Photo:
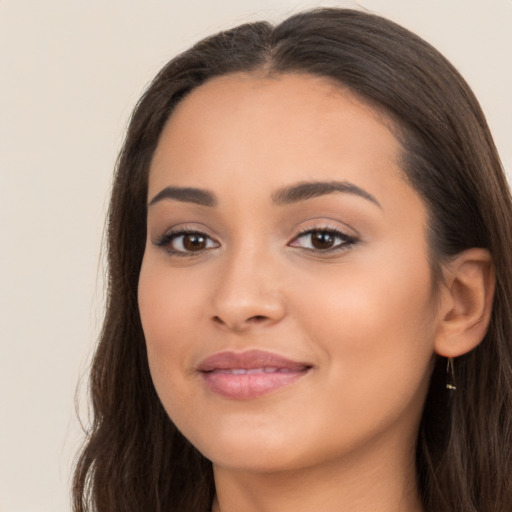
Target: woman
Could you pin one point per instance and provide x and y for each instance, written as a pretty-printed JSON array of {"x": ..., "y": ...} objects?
[{"x": 309, "y": 295}]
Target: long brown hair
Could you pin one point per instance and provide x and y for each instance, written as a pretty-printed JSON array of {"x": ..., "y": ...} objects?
[{"x": 134, "y": 458}]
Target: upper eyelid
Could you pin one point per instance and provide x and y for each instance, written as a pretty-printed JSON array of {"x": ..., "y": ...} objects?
[
  {"x": 187, "y": 230},
  {"x": 335, "y": 231},
  {"x": 332, "y": 229},
  {"x": 343, "y": 231},
  {"x": 171, "y": 234},
  {"x": 184, "y": 228}
]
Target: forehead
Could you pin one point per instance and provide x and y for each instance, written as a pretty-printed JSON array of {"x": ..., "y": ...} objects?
[{"x": 243, "y": 130}]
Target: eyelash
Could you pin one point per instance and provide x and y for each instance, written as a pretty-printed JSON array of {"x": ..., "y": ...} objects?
[
  {"x": 166, "y": 240},
  {"x": 347, "y": 241}
]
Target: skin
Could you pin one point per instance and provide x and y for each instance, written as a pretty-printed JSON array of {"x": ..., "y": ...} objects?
[{"x": 362, "y": 315}]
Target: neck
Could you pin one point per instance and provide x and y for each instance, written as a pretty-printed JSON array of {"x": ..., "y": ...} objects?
[{"x": 382, "y": 483}]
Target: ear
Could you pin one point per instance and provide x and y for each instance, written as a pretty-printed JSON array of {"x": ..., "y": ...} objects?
[{"x": 466, "y": 302}]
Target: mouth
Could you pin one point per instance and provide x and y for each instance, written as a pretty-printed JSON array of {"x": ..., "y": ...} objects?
[{"x": 251, "y": 374}]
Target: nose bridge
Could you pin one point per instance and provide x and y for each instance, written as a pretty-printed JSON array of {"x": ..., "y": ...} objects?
[{"x": 247, "y": 289}]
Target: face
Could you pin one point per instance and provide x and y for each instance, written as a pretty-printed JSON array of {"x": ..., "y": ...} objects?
[{"x": 285, "y": 291}]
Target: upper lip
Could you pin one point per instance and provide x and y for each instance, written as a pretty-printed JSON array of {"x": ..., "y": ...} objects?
[{"x": 248, "y": 360}]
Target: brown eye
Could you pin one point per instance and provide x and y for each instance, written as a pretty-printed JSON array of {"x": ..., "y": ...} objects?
[
  {"x": 186, "y": 242},
  {"x": 194, "y": 242},
  {"x": 323, "y": 240}
]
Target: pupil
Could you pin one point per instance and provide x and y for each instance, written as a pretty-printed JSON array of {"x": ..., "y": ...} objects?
[
  {"x": 322, "y": 240},
  {"x": 194, "y": 242}
]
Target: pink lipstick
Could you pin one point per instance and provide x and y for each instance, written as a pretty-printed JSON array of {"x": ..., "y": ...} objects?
[{"x": 246, "y": 375}]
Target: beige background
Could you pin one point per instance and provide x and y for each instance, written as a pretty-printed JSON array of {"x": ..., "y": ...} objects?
[{"x": 70, "y": 73}]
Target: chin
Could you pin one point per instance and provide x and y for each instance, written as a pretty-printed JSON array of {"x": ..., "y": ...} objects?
[
  {"x": 254, "y": 459},
  {"x": 246, "y": 449}
]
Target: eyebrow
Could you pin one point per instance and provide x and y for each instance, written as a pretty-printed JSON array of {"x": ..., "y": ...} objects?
[
  {"x": 309, "y": 190},
  {"x": 288, "y": 195},
  {"x": 186, "y": 195}
]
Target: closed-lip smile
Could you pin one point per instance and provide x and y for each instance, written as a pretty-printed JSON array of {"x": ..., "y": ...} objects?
[{"x": 250, "y": 374}]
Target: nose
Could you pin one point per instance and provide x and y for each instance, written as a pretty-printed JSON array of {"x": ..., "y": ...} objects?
[{"x": 248, "y": 293}]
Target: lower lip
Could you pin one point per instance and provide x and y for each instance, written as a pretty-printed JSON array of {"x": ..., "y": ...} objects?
[{"x": 248, "y": 386}]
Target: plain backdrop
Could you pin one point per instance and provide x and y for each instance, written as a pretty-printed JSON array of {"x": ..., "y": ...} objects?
[{"x": 70, "y": 73}]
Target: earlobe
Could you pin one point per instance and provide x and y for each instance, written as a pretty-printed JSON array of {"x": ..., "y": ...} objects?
[{"x": 466, "y": 303}]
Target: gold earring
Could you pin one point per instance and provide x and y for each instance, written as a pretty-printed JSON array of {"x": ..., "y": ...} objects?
[{"x": 450, "y": 375}]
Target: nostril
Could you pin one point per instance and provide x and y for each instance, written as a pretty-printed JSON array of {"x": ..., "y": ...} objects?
[
  {"x": 218, "y": 320},
  {"x": 253, "y": 319},
  {"x": 257, "y": 318}
]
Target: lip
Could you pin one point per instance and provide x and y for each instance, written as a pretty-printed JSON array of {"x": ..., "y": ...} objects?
[{"x": 250, "y": 374}]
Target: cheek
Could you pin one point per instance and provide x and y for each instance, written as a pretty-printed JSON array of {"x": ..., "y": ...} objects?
[
  {"x": 375, "y": 322},
  {"x": 372, "y": 330},
  {"x": 168, "y": 302},
  {"x": 168, "y": 307}
]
